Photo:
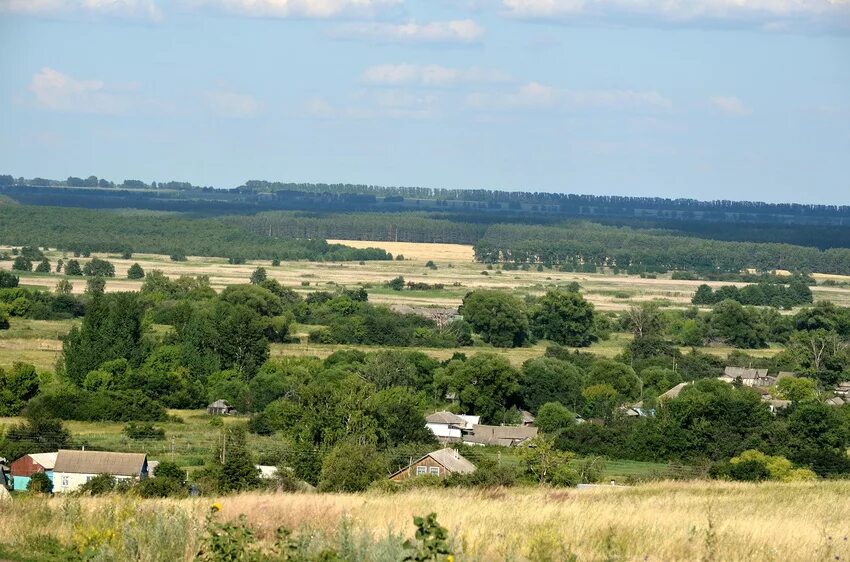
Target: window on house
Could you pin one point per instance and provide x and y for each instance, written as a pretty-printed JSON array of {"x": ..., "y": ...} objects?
[
  {"x": 435, "y": 470},
  {"x": 64, "y": 481},
  {"x": 420, "y": 470}
]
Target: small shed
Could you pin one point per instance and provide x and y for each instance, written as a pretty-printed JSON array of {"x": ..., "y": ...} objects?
[
  {"x": 442, "y": 464},
  {"x": 23, "y": 468},
  {"x": 220, "y": 408}
]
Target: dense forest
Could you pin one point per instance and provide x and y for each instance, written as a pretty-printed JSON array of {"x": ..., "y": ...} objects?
[
  {"x": 81, "y": 229},
  {"x": 289, "y": 221}
]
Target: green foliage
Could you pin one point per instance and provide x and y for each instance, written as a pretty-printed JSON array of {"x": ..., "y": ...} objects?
[
  {"x": 8, "y": 280},
  {"x": 731, "y": 323},
  {"x": 765, "y": 293},
  {"x": 99, "y": 268},
  {"x": 553, "y": 417},
  {"x": 36, "y": 434},
  {"x": 563, "y": 318},
  {"x": 432, "y": 541},
  {"x": 99, "y": 485},
  {"x": 22, "y": 263},
  {"x": 797, "y": 389},
  {"x": 351, "y": 467},
  {"x": 40, "y": 483},
  {"x": 499, "y": 317},
  {"x": 17, "y": 385},
  {"x": 111, "y": 329},
  {"x": 396, "y": 284},
  {"x": 43, "y": 266},
  {"x": 135, "y": 271},
  {"x": 72, "y": 267},
  {"x": 551, "y": 380},
  {"x": 143, "y": 431},
  {"x": 486, "y": 385},
  {"x": 548, "y": 465},
  {"x": 258, "y": 276}
]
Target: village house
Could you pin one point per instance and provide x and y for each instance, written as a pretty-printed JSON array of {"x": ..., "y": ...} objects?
[
  {"x": 442, "y": 464},
  {"x": 500, "y": 435},
  {"x": 220, "y": 408},
  {"x": 448, "y": 427},
  {"x": 747, "y": 376},
  {"x": 75, "y": 468},
  {"x": 843, "y": 389},
  {"x": 23, "y": 468}
]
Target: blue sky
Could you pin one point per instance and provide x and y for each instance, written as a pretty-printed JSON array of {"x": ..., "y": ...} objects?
[{"x": 711, "y": 99}]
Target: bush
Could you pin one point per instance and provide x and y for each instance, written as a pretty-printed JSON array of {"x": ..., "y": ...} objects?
[
  {"x": 99, "y": 268},
  {"x": 143, "y": 431},
  {"x": 350, "y": 467},
  {"x": 160, "y": 488},
  {"x": 135, "y": 272},
  {"x": 396, "y": 284},
  {"x": 99, "y": 485},
  {"x": 22, "y": 264},
  {"x": 40, "y": 484},
  {"x": 8, "y": 280},
  {"x": 178, "y": 256}
]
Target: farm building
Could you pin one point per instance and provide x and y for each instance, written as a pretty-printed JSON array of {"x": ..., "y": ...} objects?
[
  {"x": 75, "y": 468},
  {"x": 442, "y": 463},
  {"x": 748, "y": 377},
  {"x": 500, "y": 435},
  {"x": 220, "y": 408},
  {"x": 23, "y": 468},
  {"x": 449, "y": 427}
]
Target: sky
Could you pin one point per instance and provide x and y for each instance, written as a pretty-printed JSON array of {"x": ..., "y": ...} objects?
[{"x": 706, "y": 99}]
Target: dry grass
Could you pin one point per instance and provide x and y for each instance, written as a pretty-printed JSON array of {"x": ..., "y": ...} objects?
[
  {"x": 416, "y": 250},
  {"x": 707, "y": 521}
]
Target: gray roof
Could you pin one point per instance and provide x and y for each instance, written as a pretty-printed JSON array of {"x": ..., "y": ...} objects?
[
  {"x": 745, "y": 373},
  {"x": 445, "y": 417},
  {"x": 220, "y": 404},
  {"x": 452, "y": 460},
  {"x": 674, "y": 392},
  {"x": 100, "y": 462},
  {"x": 505, "y": 435}
]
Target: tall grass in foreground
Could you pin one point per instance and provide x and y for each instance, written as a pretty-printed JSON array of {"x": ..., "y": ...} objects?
[{"x": 705, "y": 521}]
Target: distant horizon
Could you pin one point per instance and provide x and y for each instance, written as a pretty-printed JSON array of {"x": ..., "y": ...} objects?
[{"x": 118, "y": 184}]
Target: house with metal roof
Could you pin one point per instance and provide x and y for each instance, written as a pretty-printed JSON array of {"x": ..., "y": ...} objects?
[
  {"x": 22, "y": 469},
  {"x": 448, "y": 427},
  {"x": 75, "y": 468}
]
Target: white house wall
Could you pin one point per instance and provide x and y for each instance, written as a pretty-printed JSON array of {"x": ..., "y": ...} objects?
[{"x": 71, "y": 481}]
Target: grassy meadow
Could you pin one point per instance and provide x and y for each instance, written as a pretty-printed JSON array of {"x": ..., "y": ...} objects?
[{"x": 665, "y": 521}]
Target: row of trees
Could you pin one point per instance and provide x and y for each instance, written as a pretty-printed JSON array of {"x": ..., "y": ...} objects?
[
  {"x": 761, "y": 294},
  {"x": 579, "y": 243},
  {"x": 75, "y": 229}
]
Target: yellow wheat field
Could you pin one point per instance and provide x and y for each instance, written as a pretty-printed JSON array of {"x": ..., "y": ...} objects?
[
  {"x": 419, "y": 251},
  {"x": 706, "y": 521}
]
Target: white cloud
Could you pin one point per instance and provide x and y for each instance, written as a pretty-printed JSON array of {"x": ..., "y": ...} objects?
[
  {"x": 454, "y": 31},
  {"x": 430, "y": 75},
  {"x": 124, "y": 9},
  {"x": 60, "y": 92},
  {"x": 535, "y": 95},
  {"x": 297, "y": 8},
  {"x": 730, "y": 105},
  {"x": 380, "y": 104},
  {"x": 770, "y": 14},
  {"x": 232, "y": 104}
]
